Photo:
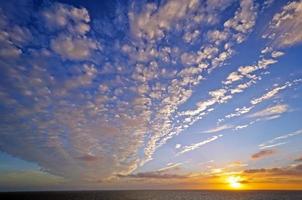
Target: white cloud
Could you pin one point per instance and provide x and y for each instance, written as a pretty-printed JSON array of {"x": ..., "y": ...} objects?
[
  {"x": 90, "y": 72},
  {"x": 170, "y": 166},
  {"x": 219, "y": 128},
  {"x": 271, "y": 111},
  {"x": 73, "y": 48},
  {"x": 201, "y": 106},
  {"x": 286, "y": 26},
  {"x": 10, "y": 52},
  {"x": 62, "y": 16},
  {"x": 241, "y": 127},
  {"x": 276, "y": 54},
  {"x": 217, "y": 36},
  {"x": 234, "y": 76},
  {"x": 239, "y": 111},
  {"x": 263, "y": 146},
  {"x": 153, "y": 21},
  {"x": 277, "y": 141},
  {"x": 245, "y": 70},
  {"x": 12, "y": 38},
  {"x": 270, "y": 94},
  {"x": 264, "y": 63},
  {"x": 266, "y": 50},
  {"x": 190, "y": 37},
  {"x": 241, "y": 87},
  {"x": 73, "y": 24},
  {"x": 244, "y": 18},
  {"x": 198, "y": 145}
]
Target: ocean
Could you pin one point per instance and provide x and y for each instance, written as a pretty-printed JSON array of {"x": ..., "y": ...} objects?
[{"x": 155, "y": 195}]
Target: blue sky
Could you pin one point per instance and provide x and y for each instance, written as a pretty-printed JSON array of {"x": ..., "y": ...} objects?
[{"x": 149, "y": 94}]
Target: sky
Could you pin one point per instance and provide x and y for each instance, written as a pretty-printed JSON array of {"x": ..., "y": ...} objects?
[{"x": 176, "y": 94}]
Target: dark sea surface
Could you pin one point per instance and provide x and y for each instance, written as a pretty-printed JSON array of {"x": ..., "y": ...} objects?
[{"x": 155, "y": 195}]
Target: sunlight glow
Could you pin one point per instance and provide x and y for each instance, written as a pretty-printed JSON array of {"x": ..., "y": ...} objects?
[{"x": 234, "y": 182}]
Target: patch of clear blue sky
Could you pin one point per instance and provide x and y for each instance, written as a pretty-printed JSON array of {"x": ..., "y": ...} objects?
[{"x": 10, "y": 163}]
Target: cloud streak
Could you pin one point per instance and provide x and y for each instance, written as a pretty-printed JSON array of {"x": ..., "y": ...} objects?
[
  {"x": 273, "y": 111},
  {"x": 280, "y": 140},
  {"x": 192, "y": 147}
]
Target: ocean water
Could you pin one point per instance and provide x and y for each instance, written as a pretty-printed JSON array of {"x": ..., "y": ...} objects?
[{"x": 155, "y": 195}]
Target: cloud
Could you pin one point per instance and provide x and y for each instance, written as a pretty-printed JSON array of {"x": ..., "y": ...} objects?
[
  {"x": 234, "y": 76},
  {"x": 209, "y": 57},
  {"x": 219, "y": 128},
  {"x": 241, "y": 126},
  {"x": 243, "y": 20},
  {"x": 217, "y": 96},
  {"x": 170, "y": 166},
  {"x": 217, "y": 36},
  {"x": 12, "y": 38},
  {"x": 246, "y": 72},
  {"x": 192, "y": 147},
  {"x": 285, "y": 27},
  {"x": 67, "y": 113},
  {"x": 10, "y": 52},
  {"x": 298, "y": 159},
  {"x": 266, "y": 96},
  {"x": 63, "y": 16},
  {"x": 71, "y": 25},
  {"x": 153, "y": 21},
  {"x": 241, "y": 87},
  {"x": 271, "y": 111},
  {"x": 264, "y": 63},
  {"x": 87, "y": 158},
  {"x": 266, "y": 50},
  {"x": 263, "y": 153},
  {"x": 277, "y": 172},
  {"x": 272, "y": 93},
  {"x": 239, "y": 111},
  {"x": 94, "y": 111},
  {"x": 153, "y": 175},
  {"x": 190, "y": 37},
  {"x": 73, "y": 48},
  {"x": 276, "y": 54},
  {"x": 278, "y": 177},
  {"x": 237, "y": 164},
  {"x": 277, "y": 141},
  {"x": 272, "y": 145}
]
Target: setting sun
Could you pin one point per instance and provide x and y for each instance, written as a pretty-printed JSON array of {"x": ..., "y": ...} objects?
[{"x": 234, "y": 182}]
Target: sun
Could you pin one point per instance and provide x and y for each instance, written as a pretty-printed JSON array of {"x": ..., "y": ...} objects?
[{"x": 234, "y": 182}]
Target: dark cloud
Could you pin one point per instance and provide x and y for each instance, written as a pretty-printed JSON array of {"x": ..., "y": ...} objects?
[
  {"x": 298, "y": 159},
  {"x": 154, "y": 175},
  {"x": 87, "y": 158},
  {"x": 251, "y": 171},
  {"x": 263, "y": 153},
  {"x": 277, "y": 171}
]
